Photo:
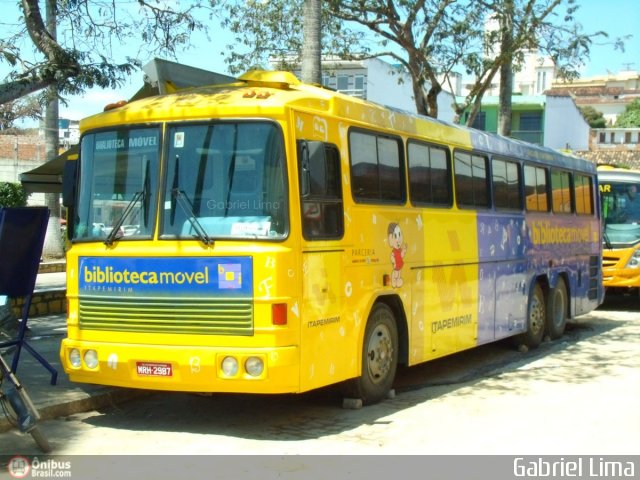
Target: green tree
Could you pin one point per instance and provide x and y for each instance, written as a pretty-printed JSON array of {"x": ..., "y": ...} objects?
[
  {"x": 593, "y": 117},
  {"x": 88, "y": 33},
  {"x": 630, "y": 118},
  {"x": 544, "y": 26},
  {"x": 273, "y": 31},
  {"x": 428, "y": 38},
  {"x": 12, "y": 195},
  {"x": 24, "y": 108}
]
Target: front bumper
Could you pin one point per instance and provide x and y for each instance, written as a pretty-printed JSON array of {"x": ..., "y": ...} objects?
[{"x": 183, "y": 368}]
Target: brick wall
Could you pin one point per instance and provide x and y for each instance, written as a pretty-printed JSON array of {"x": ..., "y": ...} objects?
[
  {"x": 22, "y": 147},
  {"x": 18, "y": 154}
]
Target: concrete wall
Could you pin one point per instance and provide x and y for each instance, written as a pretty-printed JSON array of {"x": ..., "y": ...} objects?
[{"x": 564, "y": 126}]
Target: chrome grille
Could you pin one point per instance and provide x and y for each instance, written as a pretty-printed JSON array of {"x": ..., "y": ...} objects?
[{"x": 199, "y": 316}]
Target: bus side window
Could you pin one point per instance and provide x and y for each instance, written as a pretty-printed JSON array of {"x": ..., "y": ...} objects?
[
  {"x": 535, "y": 185},
  {"x": 583, "y": 186},
  {"x": 561, "y": 193},
  {"x": 320, "y": 190},
  {"x": 471, "y": 180}
]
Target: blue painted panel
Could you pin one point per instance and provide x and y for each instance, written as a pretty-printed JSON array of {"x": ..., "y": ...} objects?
[{"x": 166, "y": 277}]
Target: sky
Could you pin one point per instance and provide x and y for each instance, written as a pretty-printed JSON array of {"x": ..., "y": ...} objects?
[{"x": 616, "y": 17}]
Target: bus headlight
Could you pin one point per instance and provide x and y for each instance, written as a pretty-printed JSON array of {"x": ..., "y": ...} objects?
[
  {"x": 634, "y": 261},
  {"x": 74, "y": 358},
  {"x": 91, "y": 359},
  {"x": 229, "y": 366},
  {"x": 254, "y": 366}
]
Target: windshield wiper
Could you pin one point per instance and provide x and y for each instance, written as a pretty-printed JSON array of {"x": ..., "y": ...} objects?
[
  {"x": 140, "y": 195},
  {"x": 605, "y": 237},
  {"x": 116, "y": 227},
  {"x": 181, "y": 199}
]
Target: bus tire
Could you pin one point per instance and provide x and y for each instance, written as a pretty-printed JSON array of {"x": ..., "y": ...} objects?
[
  {"x": 557, "y": 304},
  {"x": 379, "y": 357},
  {"x": 536, "y": 318}
]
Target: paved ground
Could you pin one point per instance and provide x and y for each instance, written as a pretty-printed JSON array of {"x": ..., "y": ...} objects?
[
  {"x": 591, "y": 380},
  {"x": 63, "y": 398},
  {"x": 575, "y": 396}
]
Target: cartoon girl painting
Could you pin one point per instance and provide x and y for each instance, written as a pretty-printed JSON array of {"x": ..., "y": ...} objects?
[{"x": 398, "y": 250}]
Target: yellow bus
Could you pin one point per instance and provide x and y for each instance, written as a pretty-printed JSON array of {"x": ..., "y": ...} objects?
[
  {"x": 282, "y": 237},
  {"x": 620, "y": 205}
]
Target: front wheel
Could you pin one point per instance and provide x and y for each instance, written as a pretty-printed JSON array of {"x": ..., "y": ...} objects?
[{"x": 379, "y": 357}]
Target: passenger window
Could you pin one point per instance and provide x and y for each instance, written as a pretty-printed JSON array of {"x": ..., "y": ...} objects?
[
  {"x": 471, "y": 180},
  {"x": 535, "y": 189},
  {"x": 584, "y": 194},
  {"x": 429, "y": 174},
  {"x": 561, "y": 191},
  {"x": 505, "y": 176},
  {"x": 377, "y": 169}
]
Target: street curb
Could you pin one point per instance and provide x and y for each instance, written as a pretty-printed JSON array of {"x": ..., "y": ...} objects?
[{"x": 107, "y": 398}]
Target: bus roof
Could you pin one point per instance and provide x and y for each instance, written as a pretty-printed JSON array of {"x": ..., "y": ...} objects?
[
  {"x": 612, "y": 173},
  {"x": 271, "y": 93}
]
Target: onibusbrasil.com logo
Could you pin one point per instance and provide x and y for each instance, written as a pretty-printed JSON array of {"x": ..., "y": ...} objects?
[{"x": 21, "y": 467}]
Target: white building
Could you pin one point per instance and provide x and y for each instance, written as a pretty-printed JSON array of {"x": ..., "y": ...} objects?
[
  {"x": 378, "y": 81},
  {"x": 609, "y": 94}
]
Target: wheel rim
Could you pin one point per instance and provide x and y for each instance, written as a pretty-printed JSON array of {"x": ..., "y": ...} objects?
[
  {"x": 536, "y": 315},
  {"x": 379, "y": 353}
]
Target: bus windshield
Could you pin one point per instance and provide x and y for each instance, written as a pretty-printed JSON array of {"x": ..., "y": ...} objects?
[
  {"x": 118, "y": 184},
  {"x": 621, "y": 212},
  {"x": 224, "y": 180}
]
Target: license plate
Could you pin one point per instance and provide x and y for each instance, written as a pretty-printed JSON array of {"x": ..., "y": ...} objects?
[{"x": 148, "y": 369}]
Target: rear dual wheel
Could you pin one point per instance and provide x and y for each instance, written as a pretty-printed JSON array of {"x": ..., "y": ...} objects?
[
  {"x": 557, "y": 307},
  {"x": 545, "y": 315}
]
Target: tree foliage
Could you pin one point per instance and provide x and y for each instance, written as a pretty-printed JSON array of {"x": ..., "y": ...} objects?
[
  {"x": 630, "y": 118},
  {"x": 12, "y": 195},
  {"x": 593, "y": 117},
  {"x": 24, "y": 108},
  {"x": 544, "y": 26},
  {"x": 83, "y": 53},
  {"x": 429, "y": 38},
  {"x": 272, "y": 32}
]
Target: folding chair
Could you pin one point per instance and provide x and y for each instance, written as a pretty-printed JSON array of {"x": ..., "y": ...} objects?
[{"x": 22, "y": 232}]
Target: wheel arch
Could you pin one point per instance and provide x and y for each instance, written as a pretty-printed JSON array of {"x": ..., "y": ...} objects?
[{"x": 543, "y": 281}]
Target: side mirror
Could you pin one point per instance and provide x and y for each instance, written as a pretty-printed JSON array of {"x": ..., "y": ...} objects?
[{"x": 69, "y": 180}]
